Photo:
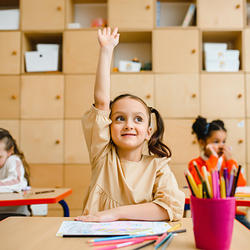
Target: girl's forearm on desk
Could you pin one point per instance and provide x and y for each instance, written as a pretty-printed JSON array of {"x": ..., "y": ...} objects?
[{"x": 145, "y": 211}]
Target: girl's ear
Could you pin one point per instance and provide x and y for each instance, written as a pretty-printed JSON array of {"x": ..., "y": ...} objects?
[
  {"x": 11, "y": 151},
  {"x": 149, "y": 133}
]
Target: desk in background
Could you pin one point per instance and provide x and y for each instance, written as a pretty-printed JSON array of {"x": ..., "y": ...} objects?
[
  {"x": 37, "y": 196},
  {"x": 39, "y": 233}
]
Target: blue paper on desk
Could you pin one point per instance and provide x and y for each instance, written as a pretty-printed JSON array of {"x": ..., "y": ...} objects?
[{"x": 112, "y": 228}]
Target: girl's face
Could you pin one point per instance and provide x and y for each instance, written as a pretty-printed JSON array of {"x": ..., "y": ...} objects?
[
  {"x": 217, "y": 139},
  {"x": 129, "y": 128},
  {"x": 3, "y": 154}
]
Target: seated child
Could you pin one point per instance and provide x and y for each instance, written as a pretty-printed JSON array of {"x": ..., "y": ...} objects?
[
  {"x": 215, "y": 153},
  {"x": 13, "y": 173},
  {"x": 126, "y": 184}
]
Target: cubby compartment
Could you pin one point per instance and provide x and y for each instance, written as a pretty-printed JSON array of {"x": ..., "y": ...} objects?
[
  {"x": 32, "y": 39},
  {"x": 134, "y": 47},
  {"x": 86, "y": 14},
  {"x": 223, "y": 56},
  {"x": 9, "y": 15},
  {"x": 175, "y": 13}
]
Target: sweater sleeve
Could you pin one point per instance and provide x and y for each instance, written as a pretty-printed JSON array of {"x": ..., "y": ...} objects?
[
  {"x": 96, "y": 131},
  {"x": 167, "y": 194}
]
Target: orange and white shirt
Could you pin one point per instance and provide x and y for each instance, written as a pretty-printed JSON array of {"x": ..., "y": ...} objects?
[{"x": 211, "y": 164}]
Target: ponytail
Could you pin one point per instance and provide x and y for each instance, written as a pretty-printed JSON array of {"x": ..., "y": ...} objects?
[{"x": 155, "y": 144}]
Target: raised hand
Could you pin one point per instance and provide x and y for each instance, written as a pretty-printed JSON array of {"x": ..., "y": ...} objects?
[{"x": 108, "y": 39}]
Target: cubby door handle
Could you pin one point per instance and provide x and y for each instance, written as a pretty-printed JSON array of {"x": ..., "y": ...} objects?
[
  {"x": 58, "y": 97},
  {"x": 148, "y": 7},
  {"x": 194, "y": 95},
  {"x": 237, "y": 6},
  {"x": 57, "y": 141},
  {"x": 14, "y": 53},
  {"x": 148, "y": 96},
  {"x": 193, "y": 51},
  {"x": 239, "y": 96},
  {"x": 59, "y": 8},
  {"x": 240, "y": 141},
  {"x": 13, "y": 97},
  {"x": 194, "y": 142}
]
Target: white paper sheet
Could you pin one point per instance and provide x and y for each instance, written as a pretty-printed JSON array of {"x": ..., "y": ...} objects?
[{"x": 112, "y": 228}]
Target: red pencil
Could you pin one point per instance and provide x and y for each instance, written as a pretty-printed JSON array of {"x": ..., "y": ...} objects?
[{"x": 110, "y": 242}]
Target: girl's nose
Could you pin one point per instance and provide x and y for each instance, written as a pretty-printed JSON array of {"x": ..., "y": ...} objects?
[{"x": 128, "y": 125}]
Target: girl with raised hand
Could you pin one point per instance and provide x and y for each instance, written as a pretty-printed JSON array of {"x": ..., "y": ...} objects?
[{"x": 126, "y": 184}]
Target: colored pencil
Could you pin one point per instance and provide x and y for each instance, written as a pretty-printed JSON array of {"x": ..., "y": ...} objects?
[
  {"x": 225, "y": 174},
  {"x": 214, "y": 183},
  {"x": 236, "y": 180},
  {"x": 205, "y": 174},
  {"x": 163, "y": 240},
  {"x": 145, "y": 245},
  {"x": 230, "y": 184},
  {"x": 189, "y": 185},
  {"x": 129, "y": 243},
  {"x": 110, "y": 242},
  {"x": 193, "y": 184},
  {"x": 222, "y": 187},
  {"x": 168, "y": 242}
]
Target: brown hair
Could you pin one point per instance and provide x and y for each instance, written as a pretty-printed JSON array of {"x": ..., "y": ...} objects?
[
  {"x": 10, "y": 143},
  {"x": 155, "y": 144}
]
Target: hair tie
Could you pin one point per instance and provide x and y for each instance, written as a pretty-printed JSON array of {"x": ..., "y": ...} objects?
[{"x": 206, "y": 128}]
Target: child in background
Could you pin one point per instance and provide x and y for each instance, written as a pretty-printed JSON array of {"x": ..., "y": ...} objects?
[
  {"x": 13, "y": 173},
  {"x": 125, "y": 183},
  {"x": 216, "y": 154}
]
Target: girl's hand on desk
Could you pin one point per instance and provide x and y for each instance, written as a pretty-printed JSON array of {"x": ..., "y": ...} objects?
[
  {"x": 108, "y": 39},
  {"x": 103, "y": 216}
]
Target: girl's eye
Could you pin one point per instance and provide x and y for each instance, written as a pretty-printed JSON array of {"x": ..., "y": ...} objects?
[
  {"x": 138, "y": 119},
  {"x": 119, "y": 118}
]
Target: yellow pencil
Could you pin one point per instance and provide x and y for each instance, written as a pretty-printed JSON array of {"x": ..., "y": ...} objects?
[
  {"x": 210, "y": 183},
  {"x": 200, "y": 190},
  {"x": 177, "y": 226},
  {"x": 222, "y": 187},
  {"x": 205, "y": 174},
  {"x": 193, "y": 184}
]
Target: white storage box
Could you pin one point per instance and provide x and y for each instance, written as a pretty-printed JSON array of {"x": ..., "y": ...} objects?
[
  {"x": 40, "y": 62},
  {"x": 215, "y": 46},
  {"x": 44, "y": 59},
  {"x": 9, "y": 19},
  {"x": 222, "y": 55},
  {"x": 47, "y": 47},
  {"x": 129, "y": 66},
  {"x": 222, "y": 65}
]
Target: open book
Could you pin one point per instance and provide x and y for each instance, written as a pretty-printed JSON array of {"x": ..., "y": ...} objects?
[{"x": 114, "y": 228}]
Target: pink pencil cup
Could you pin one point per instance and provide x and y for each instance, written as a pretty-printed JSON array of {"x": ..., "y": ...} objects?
[{"x": 213, "y": 221}]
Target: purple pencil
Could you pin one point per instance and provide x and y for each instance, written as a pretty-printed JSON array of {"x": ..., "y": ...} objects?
[
  {"x": 225, "y": 174},
  {"x": 230, "y": 184},
  {"x": 214, "y": 184}
]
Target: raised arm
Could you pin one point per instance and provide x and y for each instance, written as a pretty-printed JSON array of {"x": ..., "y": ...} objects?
[{"x": 107, "y": 40}]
